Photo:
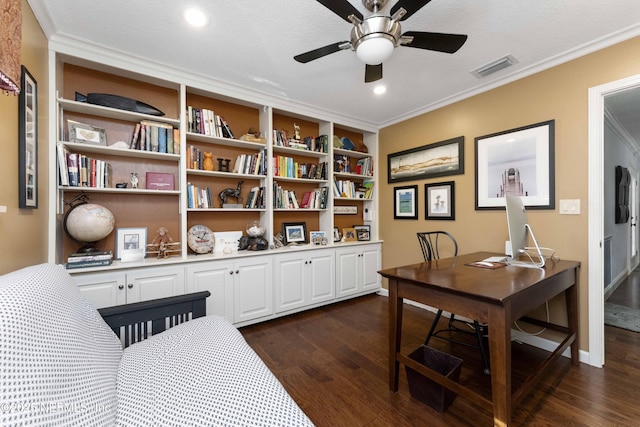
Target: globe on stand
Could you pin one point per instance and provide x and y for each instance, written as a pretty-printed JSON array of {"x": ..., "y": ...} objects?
[{"x": 88, "y": 223}]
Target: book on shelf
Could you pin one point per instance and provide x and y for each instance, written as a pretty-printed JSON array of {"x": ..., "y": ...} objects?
[
  {"x": 91, "y": 263},
  {"x": 63, "y": 169},
  {"x": 89, "y": 256},
  {"x": 72, "y": 167},
  {"x": 159, "y": 137}
]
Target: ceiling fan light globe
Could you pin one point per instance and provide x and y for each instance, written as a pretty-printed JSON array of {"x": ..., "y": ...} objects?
[{"x": 375, "y": 50}]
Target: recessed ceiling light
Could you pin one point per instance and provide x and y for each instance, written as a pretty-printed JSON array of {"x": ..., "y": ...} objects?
[
  {"x": 195, "y": 17},
  {"x": 380, "y": 89}
]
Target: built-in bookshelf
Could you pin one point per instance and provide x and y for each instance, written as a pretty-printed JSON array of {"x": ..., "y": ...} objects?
[{"x": 227, "y": 161}]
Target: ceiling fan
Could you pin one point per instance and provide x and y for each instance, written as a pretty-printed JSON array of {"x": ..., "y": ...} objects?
[{"x": 373, "y": 38}]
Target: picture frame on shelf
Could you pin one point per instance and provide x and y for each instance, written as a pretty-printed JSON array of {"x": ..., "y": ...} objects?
[
  {"x": 294, "y": 232},
  {"x": 439, "y": 200},
  {"x": 318, "y": 237},
  {"x": 349, "y": 234},
  {"x": 405, "y": 202},
  {"x": 28, "y": 141},
  {"x": 131, "y": 243},
  {"x": 363, "y": 232},
  {"x": 518, "y": 161},
  {"x": 86, "y": 134},
  {"x": 428, "y": 161},
  {"x": 336, "y": 234}
]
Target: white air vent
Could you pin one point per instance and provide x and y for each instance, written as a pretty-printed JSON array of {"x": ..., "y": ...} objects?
[{"x": 492, "y": 67}]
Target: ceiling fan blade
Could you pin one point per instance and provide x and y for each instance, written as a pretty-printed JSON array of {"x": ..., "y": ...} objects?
[
  {"x": 342, "y": 8},
  {"x": 447, "y": 43},
  {"x": 372, "y": 73},
  {"x": 411, "y": 6},
  {"x": 320, "y": 52}
]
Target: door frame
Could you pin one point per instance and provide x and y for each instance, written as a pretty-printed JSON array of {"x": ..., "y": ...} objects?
[{"x": 596, "y": 213}]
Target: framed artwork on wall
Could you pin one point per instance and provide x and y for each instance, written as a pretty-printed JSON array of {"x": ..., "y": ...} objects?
[
  {"x": 428, "y": 161},
  {"x": 405, "y": 202},
  {"x": 28, "y": 140},
  {"x": 518, "y": 161},
  {"x": 440, "y": 200}
]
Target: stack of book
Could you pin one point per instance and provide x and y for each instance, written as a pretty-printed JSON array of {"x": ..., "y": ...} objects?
[
  {"x": 155, "y": 136},
  {"x": 90, "y": 259},
  {"x": 79, "y": 170},
  {"x": 206, "y": 122}
]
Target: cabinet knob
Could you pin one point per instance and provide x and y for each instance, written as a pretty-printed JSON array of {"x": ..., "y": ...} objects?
[
  {"x": 130, "y": 285},
  {"x": 120, "y": 286},
  {"x": 231, "y": 272},
  {"x": 237, "y": 271}
]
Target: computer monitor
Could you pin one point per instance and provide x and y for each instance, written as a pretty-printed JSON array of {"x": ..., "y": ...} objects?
[{"x": 519, "y": 230}]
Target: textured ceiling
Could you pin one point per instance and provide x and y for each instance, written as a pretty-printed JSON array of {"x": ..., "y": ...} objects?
[{"x": 251, "y": 44}]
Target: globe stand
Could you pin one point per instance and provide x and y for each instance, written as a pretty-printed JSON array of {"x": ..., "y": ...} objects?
[{"x": 87, "y": 248}]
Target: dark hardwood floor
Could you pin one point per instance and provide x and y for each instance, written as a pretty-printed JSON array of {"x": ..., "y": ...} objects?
[{"x": 333, "y": 362}]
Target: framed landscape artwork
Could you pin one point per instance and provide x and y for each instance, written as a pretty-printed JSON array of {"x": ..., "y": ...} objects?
[
  {"x": 518, "y": 161},
  {"x": 429, "y": 161}
]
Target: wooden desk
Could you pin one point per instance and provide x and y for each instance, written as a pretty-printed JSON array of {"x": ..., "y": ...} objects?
[{"x": 496, "y": 297}]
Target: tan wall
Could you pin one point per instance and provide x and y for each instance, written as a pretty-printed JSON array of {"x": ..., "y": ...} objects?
[
  {"x": 23, "y": 232},
  {"x": 559, "y": 93}
]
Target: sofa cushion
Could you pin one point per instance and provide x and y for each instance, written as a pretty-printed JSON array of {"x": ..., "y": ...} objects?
[
  {"x": 201, "y": 373},
  {"x": 58, "y": 359}
]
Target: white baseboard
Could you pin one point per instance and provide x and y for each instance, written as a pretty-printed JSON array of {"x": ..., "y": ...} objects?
[{"x": 516, "y": 335}]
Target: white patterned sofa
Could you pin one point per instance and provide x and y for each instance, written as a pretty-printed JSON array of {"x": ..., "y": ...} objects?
[{"x": 61, "y": 365}]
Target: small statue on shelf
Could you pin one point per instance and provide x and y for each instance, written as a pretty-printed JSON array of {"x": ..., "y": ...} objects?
[
  {"x": 231, "y": 192},
  {"x": 252, "y": 135},
  {"x": 163, "y": 244},
  {"x": 134, "y": 179}
]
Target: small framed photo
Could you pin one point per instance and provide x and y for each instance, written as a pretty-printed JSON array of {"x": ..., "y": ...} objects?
[
  {"x": 439, "y": 200},
  {"x": 131, "y": 244},
  {"x": 294, "y": 232},
  {"x": 363, "y": 232},
  {"x": 349, "y": 234},
  {"x": 318, "y": 237},
  {"x": 336, "y": 234},
  {"x": 405, "y": 202},
  {"x": 84, "y": 133}
]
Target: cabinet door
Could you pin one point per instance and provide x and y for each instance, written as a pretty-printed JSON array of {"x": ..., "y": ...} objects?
[
  {"x": 321, "y": 276},
  {"x": 151, "y": 283},
  {"x": 369, "y": 261},
  {"x": 253, "y": 288},
  {"x": 290, "y": 281},
  {"x": 214, "y": 277},
  {"x": 346, "y": 272},
  {"x": 102, "y": 289}
]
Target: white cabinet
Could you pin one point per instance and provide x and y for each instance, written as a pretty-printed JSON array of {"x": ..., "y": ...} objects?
[
  {"x": 215, "y": 277},
  {"x": 357, "y": 269},
  {"x": 304, "y": 278},
  {"x": 252, "y": 288},
  {"x": 124, "y": 287}
]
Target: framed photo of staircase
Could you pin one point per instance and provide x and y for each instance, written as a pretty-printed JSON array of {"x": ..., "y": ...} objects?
[{"x": 518, "y": 161}]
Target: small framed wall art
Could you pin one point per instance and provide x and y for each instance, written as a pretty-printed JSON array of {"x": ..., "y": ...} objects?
[
  {"x": 405, "y": 202},
  {"x": 439, "y": 200},
  {"x": 28, "y": 140}
]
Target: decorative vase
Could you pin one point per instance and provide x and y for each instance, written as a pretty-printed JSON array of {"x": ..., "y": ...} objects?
[{"x": 208, "y": 162}]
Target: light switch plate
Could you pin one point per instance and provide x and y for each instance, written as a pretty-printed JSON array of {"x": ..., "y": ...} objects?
[{"x": 570, "y": 207}]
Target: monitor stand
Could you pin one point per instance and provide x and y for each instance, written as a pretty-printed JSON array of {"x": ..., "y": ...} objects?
[{"x": 529, "y": 264}]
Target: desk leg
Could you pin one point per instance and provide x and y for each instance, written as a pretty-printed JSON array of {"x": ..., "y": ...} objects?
[
  {"x": 571, "y": 297},
  {"x": 500, "y": 355},
  {"x": 395, "y": 333}
]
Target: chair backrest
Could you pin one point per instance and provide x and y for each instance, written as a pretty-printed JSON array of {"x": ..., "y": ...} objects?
[{"x": 434, "y": 243}]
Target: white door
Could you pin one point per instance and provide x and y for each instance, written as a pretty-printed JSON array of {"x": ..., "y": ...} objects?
[{"x": 633, "y": 221}]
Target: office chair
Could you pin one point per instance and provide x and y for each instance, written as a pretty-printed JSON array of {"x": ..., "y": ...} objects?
[{"x": 432, "y": 243}]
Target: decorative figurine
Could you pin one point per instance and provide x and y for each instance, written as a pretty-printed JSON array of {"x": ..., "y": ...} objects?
[
  {"x": 207, "y": 164},
  {"x": 296, "y": 132},
  {"x": 231, "y": 192},
  {"x": 134, "y": 179},
  {"x": 223, "y": 164},
  {"x": 163, "y": 244}
]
